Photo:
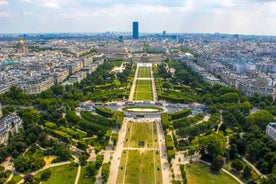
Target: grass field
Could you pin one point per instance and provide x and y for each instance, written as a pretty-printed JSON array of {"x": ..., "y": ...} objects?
[
  {"x": 15, "y": 179},
  {"x": 83, "y": 179},
  {"x": 198, "y": 173},
  {"x": 143, "y": 90},
  {"x": 144, "y": 72},
  {"x": 65, "y": 174},
  {"x": 141, "y": 164},
  {"x": 145, "y": 132},
  {"x": 142, "y": 167}
]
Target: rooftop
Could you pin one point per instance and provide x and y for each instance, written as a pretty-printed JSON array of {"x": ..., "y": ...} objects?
[{"x": 272, "y": 124}]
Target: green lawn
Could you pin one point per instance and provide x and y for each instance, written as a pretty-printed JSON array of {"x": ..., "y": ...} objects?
[
  {"x": 142, "y": 167},
  {"x": 83, "y": 179},
  {"x": 143, "y": 90},
  {"x": 15, "y": 179},
  {"x": 145, "y": 132},
  {"x": 65, "y": 174},
  {"x": 144, "y": 72},
  {"x": 198, "y": 173}
]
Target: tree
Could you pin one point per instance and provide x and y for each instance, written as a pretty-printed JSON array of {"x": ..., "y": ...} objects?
[
  {"x": 247, "y": 172},
  {"x": 105, "y": 171},
  {"x": 7, "y": 110},
  {"x": 47, "y": 94},
  {"x": 233, "y": 151},
  {"x": 28, "y": 178},
  {"x": 45, "y": 175},
  {"x": 245, "y": 107},
  {"x": 21, "y": 164},
  {"x": 72, "y": 117},
  {"x": 83, "y": 159},
  {"x": 211, "y": 146},
  {"x": 229, "y": 98},
  {"x": 216, "y": 164},
  {"x": 57, "y": 90},
  {"x": 237, "y": 164},
  {"x": 260, "y": 118},
  {"x": 271, "y": 179},
  {"x": 29, "y": 116},
  {"x": 90, "y": 169}
]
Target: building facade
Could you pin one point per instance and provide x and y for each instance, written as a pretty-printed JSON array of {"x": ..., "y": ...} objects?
[
  {"x": 135, "y": 30},
  {"x": 10, "y": 123},
  {"x": 271, "y": 130}
]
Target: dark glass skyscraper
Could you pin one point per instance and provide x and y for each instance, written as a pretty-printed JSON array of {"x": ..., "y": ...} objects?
[{"x": 135, "y": 31}]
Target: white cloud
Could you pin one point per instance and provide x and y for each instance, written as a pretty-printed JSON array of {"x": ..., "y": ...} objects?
[
  {"x": 225, "y": 16},
  {"x": 52, "y": 4},
  {"x": 4, "y": 3},
  {"x": 26, "y": 1},
  {"x": 25, "y": 13},
  {"x": 4, "y": 15}
]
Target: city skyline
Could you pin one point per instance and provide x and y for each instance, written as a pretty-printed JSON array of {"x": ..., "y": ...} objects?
[{"x": 49, "y": 16}]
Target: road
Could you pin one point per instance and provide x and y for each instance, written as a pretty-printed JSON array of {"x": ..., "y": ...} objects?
[{"x": 116, "y": 157}]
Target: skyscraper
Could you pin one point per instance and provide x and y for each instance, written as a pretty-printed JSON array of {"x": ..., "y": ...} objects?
[{"x": 135, "y": 31}]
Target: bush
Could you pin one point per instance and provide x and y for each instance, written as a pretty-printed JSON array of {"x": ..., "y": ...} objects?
[
  {"x": 237, "y": 164},
  {"x": 104, "y": 112},
  {"x": 105, "y": 171},
  {"x": 46, "y": 175},
  {"x": 181, "y": 114},
  {"x": 217, "y": 164},
  {"x": 183, "y": 174}
]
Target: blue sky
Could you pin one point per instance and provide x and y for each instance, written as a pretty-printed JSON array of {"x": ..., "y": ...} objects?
[{"x": 182, "y": 16}]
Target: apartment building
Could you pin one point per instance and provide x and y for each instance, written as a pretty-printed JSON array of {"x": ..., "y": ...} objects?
[
  {"x": 10, "y": 123},
  {"x": 271, "y": 130}
]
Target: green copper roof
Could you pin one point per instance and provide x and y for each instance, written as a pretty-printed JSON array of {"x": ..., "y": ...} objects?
[{"x": 11, "y": 62}]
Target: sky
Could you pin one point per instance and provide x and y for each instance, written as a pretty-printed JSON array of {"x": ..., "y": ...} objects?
[{"x": 175, "y": 16}]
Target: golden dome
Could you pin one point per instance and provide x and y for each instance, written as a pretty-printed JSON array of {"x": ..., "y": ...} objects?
[{"x": 20, "y": 41}]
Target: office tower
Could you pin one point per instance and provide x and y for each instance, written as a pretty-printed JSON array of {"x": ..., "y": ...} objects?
[
  {"x": 135, "y": 31},
  {"x": 121, "y": 39}
]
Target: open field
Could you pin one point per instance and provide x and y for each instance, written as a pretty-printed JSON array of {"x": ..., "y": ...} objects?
[
  {"x": 140, "y": 163},
  {"x": 144, "y": 72},
  {"x": 65, "y": 174},
  {"x": 145, "y": 132},
  {"x": 143, "y": 90},
  {"x": 198, "y": 173},
  {"x": 83, "y": 179},
  {"x": 142, "y": 167}
]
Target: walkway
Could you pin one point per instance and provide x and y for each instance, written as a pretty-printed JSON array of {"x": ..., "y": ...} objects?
[
  {"x": 116, "y": 158},
  {"x": 252, "y": 166},
  {"x": 47, "y": 167},
  {"x": 155, "y": 97},
  {"x": 165, "y": 166},
  {"x": 132, "y": 90}
]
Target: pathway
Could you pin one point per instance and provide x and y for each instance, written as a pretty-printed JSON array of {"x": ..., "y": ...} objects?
[
  {"x": 155, "y": 97},
  {"x": 233, "y": 176},
  {"x": 252, "y": 166},
  {"x": 165, "y": 166},
  {"x": 46, "y": 167},
  {"x": 116, "y": 158},
  {"x": 221, "y": 120},
  {"x": 79, "y": 170},
  {"x": 132, "y": 90}
]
